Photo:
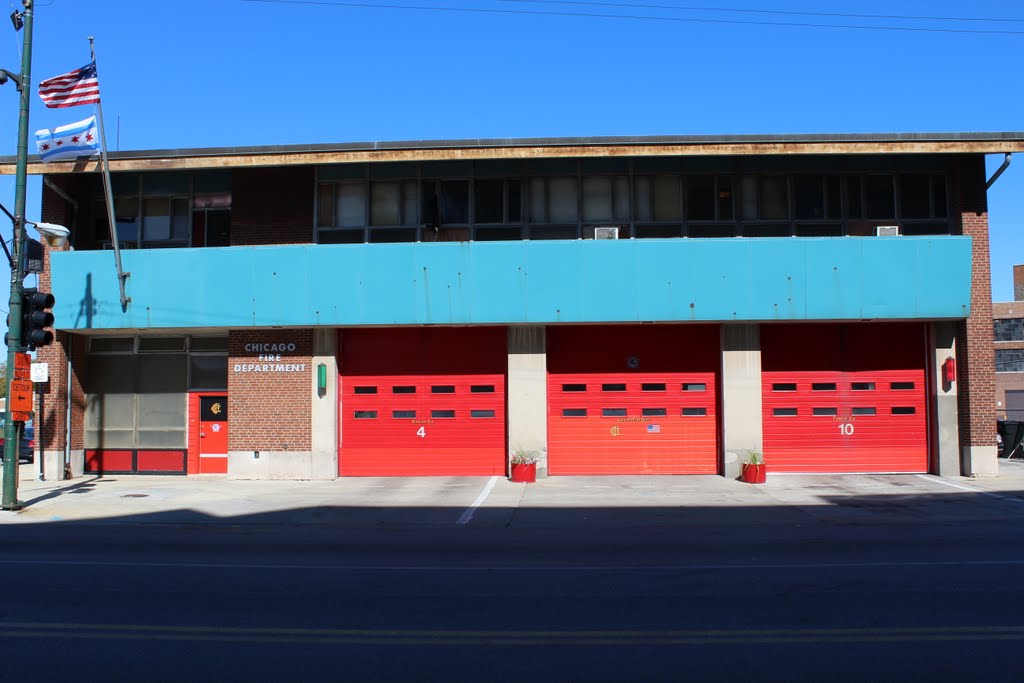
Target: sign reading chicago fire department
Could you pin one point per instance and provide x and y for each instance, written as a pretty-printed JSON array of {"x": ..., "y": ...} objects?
[{"x": 268, "y": 358}]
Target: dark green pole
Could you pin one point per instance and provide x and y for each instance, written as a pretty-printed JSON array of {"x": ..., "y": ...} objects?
[{"x": 11, "y": 430}]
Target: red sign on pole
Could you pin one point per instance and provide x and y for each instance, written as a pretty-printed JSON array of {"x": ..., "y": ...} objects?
[
  {"x": 22, "y": 366},
  {"x": 21, "y": 395}
]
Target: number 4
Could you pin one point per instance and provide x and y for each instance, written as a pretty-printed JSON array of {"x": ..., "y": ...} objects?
[{"x": 421, "y": 432}]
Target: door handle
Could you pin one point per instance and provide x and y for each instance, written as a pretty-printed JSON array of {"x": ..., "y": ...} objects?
[{"x": 202, "y": 434}]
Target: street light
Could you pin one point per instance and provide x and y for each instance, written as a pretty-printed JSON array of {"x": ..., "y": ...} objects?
[
  {"x": 9, "y": 499},
  {"x": 54, "y": 235}
]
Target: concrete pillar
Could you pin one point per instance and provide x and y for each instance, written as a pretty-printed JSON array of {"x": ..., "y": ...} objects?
[
  {"x": 527, "y": 393},
  {"x": 945, "y": 404},
  {"x": 741, "y": 395},
  {"x": 324, "y": 409}
]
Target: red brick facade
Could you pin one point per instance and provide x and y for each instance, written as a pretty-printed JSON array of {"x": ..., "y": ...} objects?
[
  {"x": 268, "y": 406},
  {"x": 272, "y": 206},
  {"x": 975, "y": 355}
]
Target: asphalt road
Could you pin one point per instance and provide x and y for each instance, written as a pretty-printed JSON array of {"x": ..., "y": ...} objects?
[{"x": 780, "y": 597}]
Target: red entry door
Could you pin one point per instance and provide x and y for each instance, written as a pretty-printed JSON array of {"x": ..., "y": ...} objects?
[{"x": 213, "y": 434}]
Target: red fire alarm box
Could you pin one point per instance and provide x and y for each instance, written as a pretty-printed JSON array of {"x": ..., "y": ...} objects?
[{"x": 949, "y": 370}]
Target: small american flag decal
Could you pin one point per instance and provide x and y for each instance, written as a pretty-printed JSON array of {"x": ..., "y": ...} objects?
[{"x": 654, "y": 429}]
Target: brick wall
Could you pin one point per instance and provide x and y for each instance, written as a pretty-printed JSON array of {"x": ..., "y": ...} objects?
[
  {"x": 270, "y": 410},
  {"x": 1018, "y": 283},
  {"x": 272, "y": 205},
  {"x": 975, "y": 352}
]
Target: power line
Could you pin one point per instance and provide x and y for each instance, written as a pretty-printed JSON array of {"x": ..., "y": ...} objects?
[
  {"x": 792, "y": 13},
  {"x": 640, "y": 17}
]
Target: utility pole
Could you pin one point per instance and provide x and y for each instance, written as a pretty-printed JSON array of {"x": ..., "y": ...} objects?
[{"x": 12, "y": 430}]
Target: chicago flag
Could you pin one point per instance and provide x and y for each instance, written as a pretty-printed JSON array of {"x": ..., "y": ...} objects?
[{"x": 69, "y": 142}]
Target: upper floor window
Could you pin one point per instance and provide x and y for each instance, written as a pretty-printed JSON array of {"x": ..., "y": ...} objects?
[
  {"x": 1009, "y": 329},
  {"x": 1009, "y": 360}
]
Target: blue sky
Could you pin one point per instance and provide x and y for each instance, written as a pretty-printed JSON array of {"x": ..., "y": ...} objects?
[{"x": 229, "y": 72}]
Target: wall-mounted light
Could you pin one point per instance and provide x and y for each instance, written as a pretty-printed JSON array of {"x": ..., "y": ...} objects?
[
  {"x": 949, "y": 370},
  {"x": 321, "y": 380}
]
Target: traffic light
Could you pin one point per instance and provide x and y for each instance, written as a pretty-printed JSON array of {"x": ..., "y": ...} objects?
[{"x": 35, "y": 318}]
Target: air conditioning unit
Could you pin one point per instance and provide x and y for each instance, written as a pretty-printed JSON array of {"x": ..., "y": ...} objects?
[
  {"x": 606, "y": 233},
  {"x": 887, "y": 231}
]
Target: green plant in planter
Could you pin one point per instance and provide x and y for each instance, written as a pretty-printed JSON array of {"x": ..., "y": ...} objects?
[
  {"x": 754, "y": 457},
  {"x": 520, "y": 457}
]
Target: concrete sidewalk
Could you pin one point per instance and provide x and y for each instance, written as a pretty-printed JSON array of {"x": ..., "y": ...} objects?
[{"x": 476, "y": 501}]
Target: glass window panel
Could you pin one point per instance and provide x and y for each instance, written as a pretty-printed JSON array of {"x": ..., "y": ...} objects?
[
  {"x": 180, "y": 220},
  {"x": 574, "y": 412},
  {"x": 784, "y": 412},
  {"x": 351, "y": 211},
  {"x": 901, "y": 386},
  {"x": 725, "y": 198},
  {"x": 854, "y": 200},
  {"x": 574, "y": 387},
  {"x": 454, "y": 202},
  {"x": 364, "y": 414},
  {"x": 557, "y": 232},
  {"x": 341, "y": 171},
  {"x": 824, "y": 412},
  {"x": 862, "y": 386},
  {"x": 164, "y": 183},
  {"x": 124, "y": 183},
  {"x": 597, "y": 198},
  {"x": 613, "y": 387},
  {"x": 915, "y": 196},
  {"x": 156, "y": 219},
  {"x": 442, "y": 414},
  {"x": 833, "y": 197},
  {"x": 212, "y": 181},
  {"x": 340, "y": 236},
  {"x": 654, "y": 412},
  {"x": 694, "y": 386},
  {"x": 667, "y": 198},
  {"x": 904, "y": 410},
  {"x": 410, "y": 204},
  {"x": 209, "y": 343},
  {"x": 538, "y": 200},
  {"x": 113, "y": 374},
  {"x": 393, "y": 169},
  {"x": 863, "y": 411},
  {"x": 498, "y": 234},
  {"x": 823, "y": 386},
  {"x": 113, "y": 344},
  {"x": 620, "y": 199},
  {"x": 161, "y": 411},
  {"x": 110, "y": 438},
  {"x": 126, "y": 215},
  {"x": 700, "y": 198},
  {"x": 748, "y": 198},
  {"x": 481, "y": 389},
  {"x": 110, "y": 411},
  {"x": 365, "y": 390},
  {"x": 642, "y": 187},
  {"x": 881, "y": 201},
  {"x": 515, "y": 201},
  {"x": 403, "y": 414},
  {"x": 652, "y": 386},
  {"x": 613, "y": 412},
  {"x": 809, "y": 192},
  {"x": 489, "y": 201},
  {"x": 161, "y": 344},
  {"x": 162, "y": 438},
  {"x": 442, "y": 389},
  {"x": 404, "y": 389},
  {"x": 391, "y": 235},
  {"x": 562, "y": 202},
  {"x": 784, "y": 386},
  {"x": 695, "y": 412},
  {"x": 657, "y": 231},
  {"x": 939, "y": 196},
  {"x": 481, "y": 413},
  {"x": 208, "y": 371},
  {"x": 774, "y": 202},
  {"x": 162, "y": 373},
  {"x": 385, "y": 204}
]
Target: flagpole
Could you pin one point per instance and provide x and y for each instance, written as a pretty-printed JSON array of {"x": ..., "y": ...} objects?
[{"x": 121, "y": 275}]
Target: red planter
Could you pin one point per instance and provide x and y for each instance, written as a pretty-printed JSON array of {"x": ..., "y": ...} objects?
[
  {"x": 524, "y": 474},
  {"x": 754, "y": 474}
]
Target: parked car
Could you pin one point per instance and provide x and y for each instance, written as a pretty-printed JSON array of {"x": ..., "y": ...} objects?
[{"x": 27, "y": 446}]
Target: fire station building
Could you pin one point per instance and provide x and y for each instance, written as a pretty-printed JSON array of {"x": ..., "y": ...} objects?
[{"x": 659, "y": 305}]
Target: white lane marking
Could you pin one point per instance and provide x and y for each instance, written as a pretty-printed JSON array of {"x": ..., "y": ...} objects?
[
  {"x": 512, "y": 567},
  {"x": 468, "y": 514},
  {"x": 962, "y": 487}
]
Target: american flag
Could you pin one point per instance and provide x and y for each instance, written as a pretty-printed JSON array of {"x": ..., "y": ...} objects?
[{"x": 71, "y": 89}]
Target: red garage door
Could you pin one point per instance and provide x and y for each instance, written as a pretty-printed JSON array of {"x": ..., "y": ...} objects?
[
  {"x": 844, "y": 398},
  {"x": 423, "y": 401},
  {"x": 633, "y": 399}
]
